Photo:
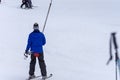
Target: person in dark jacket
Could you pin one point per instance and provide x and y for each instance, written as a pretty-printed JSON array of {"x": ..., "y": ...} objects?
[{"x": 36, "y": 40}]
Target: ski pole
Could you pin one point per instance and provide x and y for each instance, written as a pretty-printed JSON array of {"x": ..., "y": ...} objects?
[
  {"x": 47, "y": 16},
  {"x": 116, "y": 53},
  {"x": 113, "y": 40},
  {"x": 110, "y": 50}
]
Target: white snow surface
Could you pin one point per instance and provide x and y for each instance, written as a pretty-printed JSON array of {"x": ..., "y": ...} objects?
[{"x": 77, "y": 34}]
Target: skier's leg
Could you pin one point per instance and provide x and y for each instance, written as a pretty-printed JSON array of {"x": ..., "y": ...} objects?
[
  {"x": 32, "y": 65},
  {"x": 22, "y": 5},
  {"x": 42, "y": 65},
  {"x": 30, "y": 3},
  {"x": 26, "y": 3}
]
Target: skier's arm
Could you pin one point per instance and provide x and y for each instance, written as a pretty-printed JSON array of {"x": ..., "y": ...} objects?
[{"x": 28, "y": 44}]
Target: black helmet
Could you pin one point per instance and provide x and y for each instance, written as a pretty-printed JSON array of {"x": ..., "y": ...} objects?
[{"x": 35, "y": 26}]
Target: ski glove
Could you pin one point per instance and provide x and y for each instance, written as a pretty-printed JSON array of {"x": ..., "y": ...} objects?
[{"x": 26, "y": 54}]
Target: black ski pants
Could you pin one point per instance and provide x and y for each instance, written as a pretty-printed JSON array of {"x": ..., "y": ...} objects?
[{"x": 41, "y": 64}]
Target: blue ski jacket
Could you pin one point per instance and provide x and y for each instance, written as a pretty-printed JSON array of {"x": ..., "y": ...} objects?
[{"x": 36, "y": 40}]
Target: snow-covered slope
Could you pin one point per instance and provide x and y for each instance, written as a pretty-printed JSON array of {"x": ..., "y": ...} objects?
[{"x": 77, "y": 35}]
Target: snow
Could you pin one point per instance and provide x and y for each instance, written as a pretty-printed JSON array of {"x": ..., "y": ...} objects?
[{"x": 77, "y": 34}]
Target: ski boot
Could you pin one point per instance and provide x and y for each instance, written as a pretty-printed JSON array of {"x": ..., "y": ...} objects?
[{"x": 31, "y": 77}]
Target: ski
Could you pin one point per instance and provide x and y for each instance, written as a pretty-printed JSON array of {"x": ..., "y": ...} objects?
[
  {"x": 47, "y": 77},
  {"x": 40, "y": 77},
  {"x": 33, "y": 78}
]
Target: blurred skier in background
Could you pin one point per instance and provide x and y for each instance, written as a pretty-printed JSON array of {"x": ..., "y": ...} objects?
[{"x": 26, "y": 3}]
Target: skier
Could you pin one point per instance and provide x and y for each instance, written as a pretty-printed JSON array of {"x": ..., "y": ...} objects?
[
  {"x": 27, "y": 3},
  {"x": 36, "y": 40}
]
